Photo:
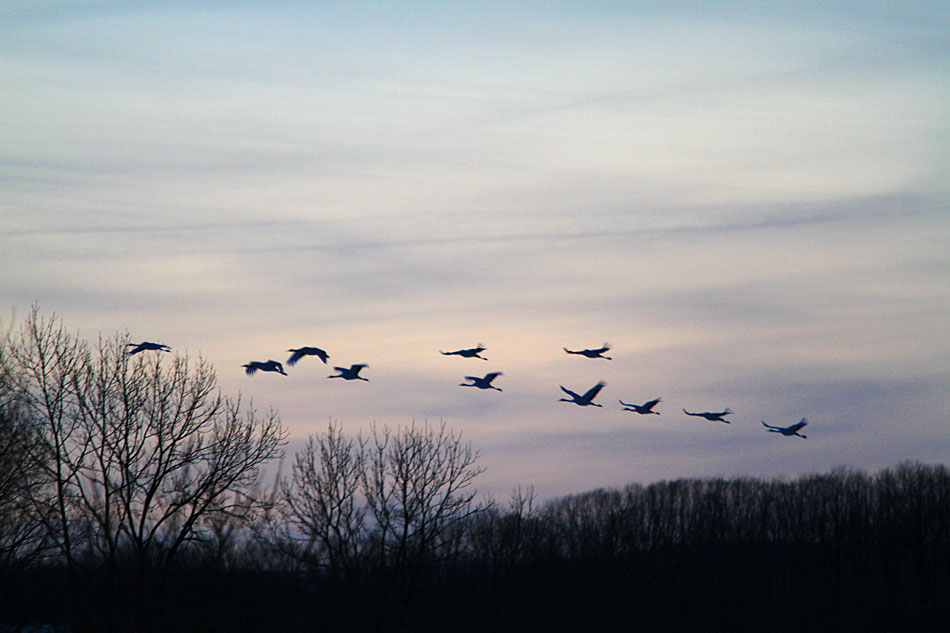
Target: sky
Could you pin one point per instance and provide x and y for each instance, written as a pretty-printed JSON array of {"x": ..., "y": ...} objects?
[{"x": 749, "y": 203}]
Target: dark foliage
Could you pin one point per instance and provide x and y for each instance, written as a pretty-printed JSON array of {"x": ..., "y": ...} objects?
[{"x": 843, "y": 551}]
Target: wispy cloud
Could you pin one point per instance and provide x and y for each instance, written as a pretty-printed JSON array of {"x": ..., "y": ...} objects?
[
  {"x": 150, "y": 230},
  {"x": 748, "y": 203}
]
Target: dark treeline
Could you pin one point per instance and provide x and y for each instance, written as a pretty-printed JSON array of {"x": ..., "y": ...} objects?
[
  {"x": 131, "y": 500},
  {"x": 843, "y": 551}
]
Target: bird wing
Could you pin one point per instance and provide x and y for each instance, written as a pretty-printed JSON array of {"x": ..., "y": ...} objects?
[
  {"x": 593, "y": 391},
  {"x": 688, "y": 413},
  {"x": 652, "y": 403},
  {"x": 490, "y": 377},
  {"x": 798, "y": 425},
  {"x": 321, "y": 354},
  {"x": 625, "y": 404},
  {"x": 250, "y": 368},
  {"x": 297, "y": 355},
  {"x": 769, "y": 426},
  {"x": 569, "y": 392}
]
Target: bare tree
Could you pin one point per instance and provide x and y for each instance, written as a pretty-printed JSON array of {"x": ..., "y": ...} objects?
[
  {"x": 417, "y": 483},
  {"x": 139, "y": 455},
  {"x": 391, "y": 503},
  {"x": 22, "y": 537},
  {"x": 321, "y": 503},
  {"x": 418, "y": 487}
]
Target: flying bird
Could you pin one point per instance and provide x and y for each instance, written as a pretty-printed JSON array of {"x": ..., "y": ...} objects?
[
  {"x": 300, "y": 352},
  {"x": 272, "y": 365},
  {"x": 350, "y": 373},
  {"x": 467, "y": 353},
  {"x": 592, "y": 353},
  {"x": 712, "y": 417},
  {"x": 146, "y": 346},
  {"x": 788, "y": 431},
  {"x": 586, "y": 399},
  {"x": 482, "y": 383},
  {"x": 643, "y": 409}
]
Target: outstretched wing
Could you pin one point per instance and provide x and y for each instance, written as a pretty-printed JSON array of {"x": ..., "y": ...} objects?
[
  {"x": 491, "y": 376},
  {"x": 593, "y": 391},
  {"x": 569, "y": 392},
  {"x": 297, "y": 355},
  {"x": 652, "y": 403},
  {"x": 798, "y": 426},
  {"x": 250, "y": 368}
]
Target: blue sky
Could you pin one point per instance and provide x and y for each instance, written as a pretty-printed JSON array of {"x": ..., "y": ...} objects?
[{"x": 750, "y": 204}]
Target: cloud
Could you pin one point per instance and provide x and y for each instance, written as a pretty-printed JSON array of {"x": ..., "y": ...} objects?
[
  {"x": 337, "y": 234},
  {"x": 148, "y": 231},
  {"x": 745, "y": 203}
]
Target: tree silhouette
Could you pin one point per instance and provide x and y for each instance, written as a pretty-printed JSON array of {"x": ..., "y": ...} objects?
[
  {"x": 138, "y": 456},
  {"x": 386, "y": 507},
  {"x": 322, "y": 504}
]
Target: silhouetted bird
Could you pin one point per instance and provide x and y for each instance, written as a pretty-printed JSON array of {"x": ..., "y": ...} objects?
[
  {"x": 350, "y": 373},
  {"x": 712, "y": 417},
  {"x": 146, "y": 346},
  {"x": 586, "y": 399},
  {"x": 467, "y": 353},
  {"x": 592, "y": 353},
  {"x": 300, "y": 352},
  {"x": 644, "y": 409},
  {"x": 272, "y": 365},
  {"x": 482, "y": 383},
  {"x": 788, "y": 431}
]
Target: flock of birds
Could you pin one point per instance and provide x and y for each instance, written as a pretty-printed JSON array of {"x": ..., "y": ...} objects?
[{"x": 585, "y": 399}]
